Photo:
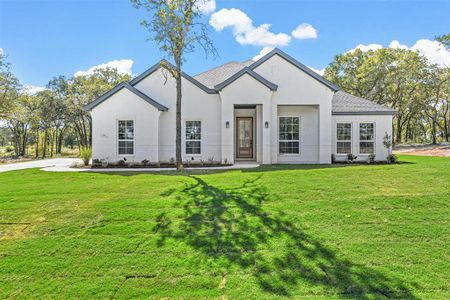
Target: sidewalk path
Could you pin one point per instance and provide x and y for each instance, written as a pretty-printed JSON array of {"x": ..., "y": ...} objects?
[
  {"x": 64, "y": 165},
  {"x": 41, "y": 163}
]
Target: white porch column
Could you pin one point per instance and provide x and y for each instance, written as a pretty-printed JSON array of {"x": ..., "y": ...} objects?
[
  {"x": 227, "y": 144},
  {"x": 266, "y": 136},
  {"x": 274, "y": 133},
  {"x": 325, "y": 129}
]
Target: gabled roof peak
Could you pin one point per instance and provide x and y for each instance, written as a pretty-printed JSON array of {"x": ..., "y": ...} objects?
[
  {"x": 296, "y": 63},
  {"x": 247, "y": 70},
  {"x": 156, "y": 67},
  {"x": 120, "y": 86}
]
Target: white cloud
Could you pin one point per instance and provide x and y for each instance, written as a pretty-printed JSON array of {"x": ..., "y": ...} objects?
[
  {"x": 304, "y": 31},
  {"x": 1, "y": 51},
  {"x": 206, "y": 6},
  {"x": 320, "y": 72},
  {"x": 123, "y": 66},
  {"x": 263, "y": 52},
  {"x": 31, "y": 90},
  {"x": 434, "y": 51},
  {"x": 396, "y": 45},
  {"x": 365, "y": 48},
  {"x": 244, "y": 31}
]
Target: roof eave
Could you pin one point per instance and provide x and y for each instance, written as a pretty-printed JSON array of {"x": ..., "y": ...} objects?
[
  {"x": 272, "y": 86},
  {"x": 155, "y": 67},
  {"x": 364, "y": 112},
  {"x": 90, "y": 106}
]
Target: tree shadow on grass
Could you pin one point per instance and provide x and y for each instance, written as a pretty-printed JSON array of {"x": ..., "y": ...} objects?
[{"x": 230, "y": 225}]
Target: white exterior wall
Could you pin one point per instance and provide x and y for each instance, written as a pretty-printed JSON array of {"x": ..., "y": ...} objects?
[
  {"x": 383, "y": 124},
  {"x": 295, "y": 87},
  {"x": 196, "y": 105},
  {"x": 125, "y": 105},
  {"x": 309, "y": 134}
]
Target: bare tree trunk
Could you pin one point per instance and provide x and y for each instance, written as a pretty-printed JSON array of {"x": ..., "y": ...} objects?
[
  {"x": 60, "y": 141},
  {"x": 446, "y": 124},
  {"x": 36, "y": 151},
  {"x": 433, "y": 129},
  {"x": 52, "y": 137},
  {"x": 44, "y": 149},
  {"x": 179, "y": 160},
  {"x": 399, "y": 130}
]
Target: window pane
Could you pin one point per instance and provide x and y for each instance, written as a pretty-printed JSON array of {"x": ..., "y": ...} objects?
[
  {"x": 289, "y": 135},
  {"x": 192, "y": 147},
  {"x": 344, "y": 147},
  {"x": 289, "y": 147},
  {"x": 126, "y": 130},
  {"x": 366, "y": 131},
  {"x": 344, "y": 131},
  {"x": 126, "y": 147},
  {"x": 366, "y": 147},
  {"x": 193, "y": 137}
]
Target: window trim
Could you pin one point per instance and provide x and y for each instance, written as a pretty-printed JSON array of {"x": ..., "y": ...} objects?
[
  {"x": 373, "y": 140},
  {"x": 299, "y": 136},
  {"x": 350, "y": 140},
  {"x": 118, "y": 140},
  {"x": 200, "y": 140}
]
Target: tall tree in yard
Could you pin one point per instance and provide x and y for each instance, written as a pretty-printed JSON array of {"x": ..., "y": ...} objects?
[
  {"x": 9, "y": 87},
  {"x": 176, "y": 26}
]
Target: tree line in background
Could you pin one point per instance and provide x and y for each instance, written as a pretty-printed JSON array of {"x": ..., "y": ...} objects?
[
  {"x": 41, "y": 124},
  {"x": 404, "y": 80}
]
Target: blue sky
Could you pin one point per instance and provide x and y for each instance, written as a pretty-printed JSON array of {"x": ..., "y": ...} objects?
[{"x": 48, "y": 38}]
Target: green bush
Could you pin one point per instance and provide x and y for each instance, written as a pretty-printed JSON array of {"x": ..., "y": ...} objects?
[
  {"x": 86, "y": 154},
  {"x": 9, "y": 148},
  {"x": 392, "y": 158}
]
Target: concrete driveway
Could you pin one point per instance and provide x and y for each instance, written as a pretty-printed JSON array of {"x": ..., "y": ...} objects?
[{"x": 42, "y": 163}]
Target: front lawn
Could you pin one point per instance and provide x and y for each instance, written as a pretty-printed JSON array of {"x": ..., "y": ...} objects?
[{"x": 368, "y": 231}]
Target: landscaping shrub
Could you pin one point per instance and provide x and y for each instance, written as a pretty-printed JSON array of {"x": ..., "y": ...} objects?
[
  {"x": 96, "y": 163},
  {"x": 392, "y": 158},
  {"x": 86, "y": 154},
  {"x": 351, "y": 157}
]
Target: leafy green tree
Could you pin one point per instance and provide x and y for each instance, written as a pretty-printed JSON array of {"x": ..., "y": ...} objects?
[
  {"x": 177, "y": 28},
  {"x": 81, "y": 90},
  {"x": 18, "y": 119},
  {"x": 392, "y": 77},
  {"x": 9, "y": 86},
  {"x": 444, "y": 39}
]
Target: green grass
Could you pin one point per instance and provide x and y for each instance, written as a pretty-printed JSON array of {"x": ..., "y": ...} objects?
[{"x": 363, "y": 231}]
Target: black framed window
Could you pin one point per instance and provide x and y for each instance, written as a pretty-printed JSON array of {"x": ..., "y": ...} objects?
[
  {"x": 343, "y": 138},
  {"x": 289, "y": 135},
  {"x": 366, "y": 138},
  {"x": 193, "y": 137},
  {"x": 125, "y": 137}
]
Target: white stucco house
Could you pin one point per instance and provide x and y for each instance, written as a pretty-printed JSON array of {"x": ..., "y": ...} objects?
[{"x": 273, "y": 110}]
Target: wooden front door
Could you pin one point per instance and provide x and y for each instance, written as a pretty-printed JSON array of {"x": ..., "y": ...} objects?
[{"x": 244, "y": 137}]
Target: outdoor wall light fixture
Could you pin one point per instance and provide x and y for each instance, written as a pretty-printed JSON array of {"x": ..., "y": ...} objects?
[
  {"x": 266, "y": 124},
  {"x": 227, "y": 124}
]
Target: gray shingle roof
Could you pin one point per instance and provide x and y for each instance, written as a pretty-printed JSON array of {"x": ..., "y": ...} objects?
[
  {"x": 345, "y": 103},
  {"x": 217, "y": 75}
]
